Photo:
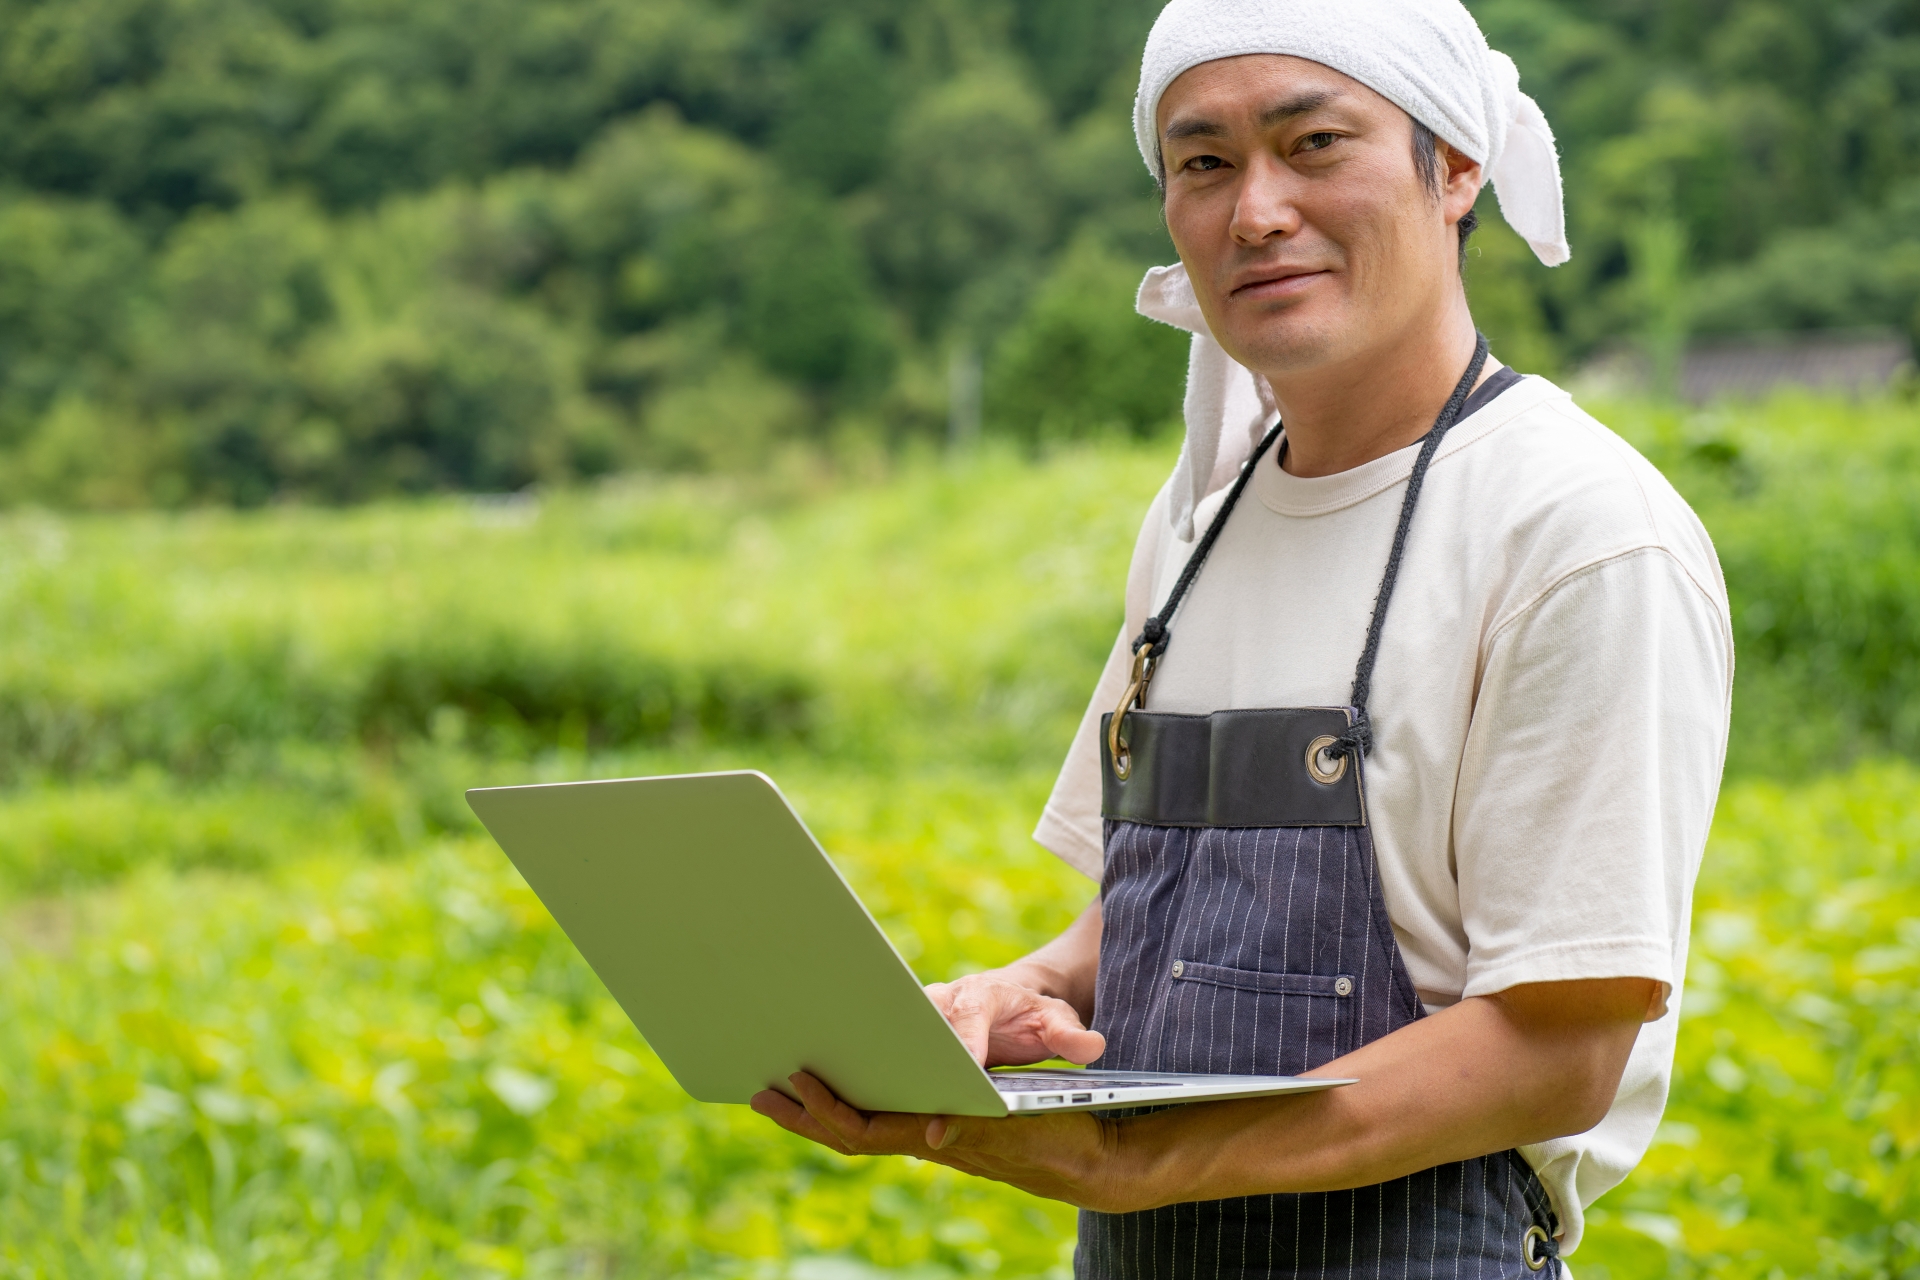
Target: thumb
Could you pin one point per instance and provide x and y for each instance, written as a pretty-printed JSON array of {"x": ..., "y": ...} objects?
[
  {"x": 1077, "y": 1044},
  {"x": 946, "y": 1132},
  {"x": 1065, "y": 1037}
]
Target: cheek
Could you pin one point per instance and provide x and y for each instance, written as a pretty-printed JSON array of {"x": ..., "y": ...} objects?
[
  {"x": 1198, "y": 222},
  {"x": 1373, "y": 230}
]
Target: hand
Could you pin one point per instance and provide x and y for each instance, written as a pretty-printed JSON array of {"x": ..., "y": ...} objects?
[
  {"x": 1004, "y": 1023},
  {"x": 1069, "y": 1156}
]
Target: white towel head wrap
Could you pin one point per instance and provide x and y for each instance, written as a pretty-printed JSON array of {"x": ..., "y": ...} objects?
[{"x": 1429, "y": 58}]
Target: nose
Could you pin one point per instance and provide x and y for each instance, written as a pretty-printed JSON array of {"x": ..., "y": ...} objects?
[{"x": 1265, "y": 209}]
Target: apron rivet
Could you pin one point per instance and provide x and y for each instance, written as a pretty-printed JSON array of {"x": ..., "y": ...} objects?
[
  {"x": 1179, "y": 967},
  {"x": 1321, "y": 767},
  {"x": 1533, "y": 1249},
  {"x": 1343, "y": 986}
]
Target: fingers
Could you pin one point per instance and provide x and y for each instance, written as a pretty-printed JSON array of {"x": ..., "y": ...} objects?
[
  {"x": 1049, "y": 1156},
  {"x": 1002, "y": 1022},
  {"x": 795, "y": 1119},
  {"x": 820, "y": 1116},
  {"x": 973, "y": 1013},
  {"x": 776, "y": 1106},
  {"x": 1066, "y": 1038},
  {"x": 856, "y": 1131},
  {"x": 823, "y": 1105}
]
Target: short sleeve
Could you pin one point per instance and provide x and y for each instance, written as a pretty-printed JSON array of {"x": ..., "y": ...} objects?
[
  {"x": 1070, "y": 824},
  {"x": 1589, "y": 777}
]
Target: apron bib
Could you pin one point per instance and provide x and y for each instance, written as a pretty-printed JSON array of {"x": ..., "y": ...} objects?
[{"x": 1244, "y": 932}]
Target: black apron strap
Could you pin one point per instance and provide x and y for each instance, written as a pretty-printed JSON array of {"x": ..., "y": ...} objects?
[
  {"x": 1154, "y": 636},
  {"x": 1360, "y": 737},
  {"x": 1151, "y": 644}
]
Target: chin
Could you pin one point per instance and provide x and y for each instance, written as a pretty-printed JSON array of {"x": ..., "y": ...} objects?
[{"x": 1287, "y": 341}]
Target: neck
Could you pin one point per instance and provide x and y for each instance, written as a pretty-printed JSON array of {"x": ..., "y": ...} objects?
[{"x": 1348, "y": 412}]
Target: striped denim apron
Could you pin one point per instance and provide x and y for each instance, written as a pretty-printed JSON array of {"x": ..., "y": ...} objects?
[{"x": 1244, "y": 932}]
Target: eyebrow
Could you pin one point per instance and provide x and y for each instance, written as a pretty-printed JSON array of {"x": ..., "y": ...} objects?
[{"x": 1279, "y": 112}]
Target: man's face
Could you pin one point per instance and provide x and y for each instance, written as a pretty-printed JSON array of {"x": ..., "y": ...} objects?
[{"x": 1294, "y": 200}]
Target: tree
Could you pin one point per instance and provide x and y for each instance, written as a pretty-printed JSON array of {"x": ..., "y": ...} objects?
[
  {"x": 1082, "y": 360},
  {"x": 808, "y": 311},
  {"x": 838, "y": 115}
]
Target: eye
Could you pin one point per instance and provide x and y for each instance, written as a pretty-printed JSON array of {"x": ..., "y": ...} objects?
[
  {"x": 1204, "y": 164},
  {"x": 1318, "y": 141}
]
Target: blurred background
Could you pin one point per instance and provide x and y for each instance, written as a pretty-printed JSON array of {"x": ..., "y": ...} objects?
[{"x": 396, "y": 398}]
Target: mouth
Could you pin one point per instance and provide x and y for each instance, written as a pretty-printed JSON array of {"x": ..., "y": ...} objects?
[{"x": 1274, "y": 283}]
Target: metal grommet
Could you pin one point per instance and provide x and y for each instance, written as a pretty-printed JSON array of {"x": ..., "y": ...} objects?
[
  {"x": 1179, "y": 967},
  {"x": 1343, "y": 986},
  {"x": 1321, "y": 772},
  {"x": 1534, "y": 1249}
]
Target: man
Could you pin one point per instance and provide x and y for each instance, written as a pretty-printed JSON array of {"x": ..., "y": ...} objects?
[{"x": 1530, "y": 737}]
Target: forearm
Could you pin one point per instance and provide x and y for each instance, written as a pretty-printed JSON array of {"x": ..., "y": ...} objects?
[
  {"x": 1479, "y": 1077},
  {"x": 1066, "y": 967}
]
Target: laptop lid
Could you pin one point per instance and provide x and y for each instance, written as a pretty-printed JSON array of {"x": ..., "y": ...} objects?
[{"x": 732, "y": 942}]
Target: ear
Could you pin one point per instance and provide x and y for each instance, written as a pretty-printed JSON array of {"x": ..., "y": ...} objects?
[{"x": 1461, "y": 180}]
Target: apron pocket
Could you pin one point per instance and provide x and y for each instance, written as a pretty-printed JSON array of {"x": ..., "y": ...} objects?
[{"x": 1249, "y": 1022}]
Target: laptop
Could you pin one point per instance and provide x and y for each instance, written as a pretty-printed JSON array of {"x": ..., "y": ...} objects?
[{"x": 741, "y": 954}]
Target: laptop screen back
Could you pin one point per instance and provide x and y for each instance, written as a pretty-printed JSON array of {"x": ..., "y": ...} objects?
[{"x": 731, "y": 940}]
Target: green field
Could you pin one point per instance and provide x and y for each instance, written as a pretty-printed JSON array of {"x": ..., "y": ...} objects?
[{"x": 277, "y": 1008}]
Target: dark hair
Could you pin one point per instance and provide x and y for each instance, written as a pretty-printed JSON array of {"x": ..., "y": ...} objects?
[{"x": 1426, "y": 162}]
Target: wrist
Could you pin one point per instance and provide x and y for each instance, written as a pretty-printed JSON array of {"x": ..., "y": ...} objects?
[{"x": 1140, "y": 1163}]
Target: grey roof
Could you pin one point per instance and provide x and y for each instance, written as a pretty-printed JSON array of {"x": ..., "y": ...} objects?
[{"x": 1750, "y": 365}]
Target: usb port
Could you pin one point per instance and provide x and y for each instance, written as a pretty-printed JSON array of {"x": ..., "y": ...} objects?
[
  {"x": 1083, "y": 1097},
  {"x": 1049, "y": 1099}
]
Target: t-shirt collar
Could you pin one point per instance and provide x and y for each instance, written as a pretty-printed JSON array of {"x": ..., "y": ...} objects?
[{"x": 1291, "y": 495}]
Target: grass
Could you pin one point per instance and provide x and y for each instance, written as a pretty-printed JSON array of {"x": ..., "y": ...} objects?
[
  {"x": 277, "y": 1008},
  {"x": 401, "y": 1067}
]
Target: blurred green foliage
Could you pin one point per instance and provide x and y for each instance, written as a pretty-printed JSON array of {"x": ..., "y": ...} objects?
[
  {"x": 405, "y": 1068},
  {"x": 344, "y": 1065},
  {"x": 1776, "y": 137},
  {"x": 277, "y": 1008},
  {"x": 330, "y": 249},
  {"x": 1792, "y": 1146},
  {"x": 637, "y": 616},
  {"x": 1815, "y": 510},
  {"x": 696, "y": 612}
]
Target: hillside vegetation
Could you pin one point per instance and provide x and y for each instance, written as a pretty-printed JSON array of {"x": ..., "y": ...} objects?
[{"x": 331, "y": 249}]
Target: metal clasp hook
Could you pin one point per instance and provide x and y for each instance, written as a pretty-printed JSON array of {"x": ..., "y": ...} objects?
[{"x": 1135, "y": 696}]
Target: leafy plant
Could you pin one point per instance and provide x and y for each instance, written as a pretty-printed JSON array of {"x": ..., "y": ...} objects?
[{"x": 276, "y": 1007}]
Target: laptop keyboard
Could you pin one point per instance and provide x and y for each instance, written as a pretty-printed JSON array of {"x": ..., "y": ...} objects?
[{"x": 1070, "y": 1080}]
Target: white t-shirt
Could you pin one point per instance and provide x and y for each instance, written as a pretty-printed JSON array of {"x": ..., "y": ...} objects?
[{"x": 1550, "y": 708}]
